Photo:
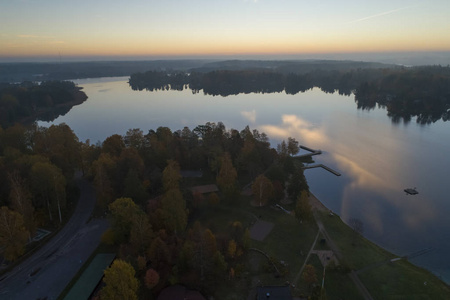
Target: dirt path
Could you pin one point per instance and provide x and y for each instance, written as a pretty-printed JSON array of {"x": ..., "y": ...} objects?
[{"x": 318, "y": 206}]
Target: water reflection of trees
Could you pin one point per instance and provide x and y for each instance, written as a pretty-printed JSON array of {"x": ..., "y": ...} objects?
[{"x": 421, "y": 92}]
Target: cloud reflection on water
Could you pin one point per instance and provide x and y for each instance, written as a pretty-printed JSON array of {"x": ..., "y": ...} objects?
[{"x": 373, "y": 192}]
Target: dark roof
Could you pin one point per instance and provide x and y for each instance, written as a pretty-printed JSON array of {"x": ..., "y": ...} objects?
[
  {"x": 178, "y": 292},
  {"x": 273, "y": 293},
  {"x": 205, "y": 189}
]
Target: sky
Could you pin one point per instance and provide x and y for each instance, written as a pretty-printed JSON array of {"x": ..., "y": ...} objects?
[{"x": 31, "y": 29}]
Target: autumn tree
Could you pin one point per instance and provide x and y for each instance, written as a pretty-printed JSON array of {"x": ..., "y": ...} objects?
[
  {"x": 141, "y": 232},
  {"x": 120, "y": 282},
  {"x": 309, "y": 275},
  {"x": 104, "y": 169},
  {"x": 171, "y": 176},
  {"x": 303, "y": 208},
  {"x": 113, "y": 145},
  {"x": 123, "y": 212},
  {"x": 173, "y": 206},
  {"x": 159, "y": 254},
  {"x": 227, "y": 176},
  {"x": 60, "y": 144},
  {"x": 262, "y": 189},
  {"x": 151, "y": 278},
  {"x": 20, "y": 198},
  {"x": 296, "y": 184},
  {"x": 173, "y": 211},
  {"x": 13, "y": 235},
  {"x": 49, "y": 185}
]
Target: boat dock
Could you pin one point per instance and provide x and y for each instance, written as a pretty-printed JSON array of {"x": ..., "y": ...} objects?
[
  {"x": 313, "y": 152},
  {"x": 324, "y": 167}
]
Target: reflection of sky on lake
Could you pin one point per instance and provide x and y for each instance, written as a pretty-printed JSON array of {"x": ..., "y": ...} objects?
[{"x": 377, "y": 159}]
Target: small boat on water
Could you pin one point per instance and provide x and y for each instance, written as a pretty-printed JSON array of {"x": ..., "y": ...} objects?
[{"x": 411, "y": 191}]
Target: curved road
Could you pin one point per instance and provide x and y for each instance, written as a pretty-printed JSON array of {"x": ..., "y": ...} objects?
[{"x": 47, "y": 272}]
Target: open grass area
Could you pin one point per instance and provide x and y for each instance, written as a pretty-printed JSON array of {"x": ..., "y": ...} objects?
[
  {"x": 403, "y": 280},
  {"x": 357, "y": 251}
]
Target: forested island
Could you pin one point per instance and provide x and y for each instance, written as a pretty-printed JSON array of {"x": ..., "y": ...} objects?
[
  {"x": 29, "y": 101},
  {"x": 422, "y": 92}
]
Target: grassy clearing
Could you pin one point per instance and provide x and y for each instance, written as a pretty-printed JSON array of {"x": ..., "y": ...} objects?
[
  {"x": 358, "y": 252},
  {"x": 403, "y": 280}
]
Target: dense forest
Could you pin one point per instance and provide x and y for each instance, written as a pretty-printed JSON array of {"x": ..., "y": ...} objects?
[
  {"x": 142, "y": 182},
  {"x": 28, "y": 101},
  {"x": 422, "y": 92}
]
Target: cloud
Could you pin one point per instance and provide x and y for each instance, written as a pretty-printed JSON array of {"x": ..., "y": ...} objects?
[
  {"x": 249, "y": 115},
  {"x": 381, "y": 14},
  {"x": 296, "y": 127}
]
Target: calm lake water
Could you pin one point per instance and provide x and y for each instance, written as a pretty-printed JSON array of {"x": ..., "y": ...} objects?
[{"x": 377, "y": 159}]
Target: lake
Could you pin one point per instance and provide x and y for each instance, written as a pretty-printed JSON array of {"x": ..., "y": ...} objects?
[{"x": 377, "y": 159}]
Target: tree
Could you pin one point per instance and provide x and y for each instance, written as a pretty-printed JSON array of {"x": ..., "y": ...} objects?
[
  {"x": 309, "y": 275},
  {"x": 141, "y": 232},
  {"x": 303, "y": 208},
  {"x": 292, "y": 146},
  {"x": 49, "y": 185},
  {"x": 159, "y": 254},
  {"x": 262, "y": 189},
  {"x": 282, "y": 149},
  {"x": 120, "y": 282},
  {"x": 21, "y": 201},
  {"x": 173, "y": 211},
  {"x": 296, "y": 184},
  {"x": 104, "y": 169},
  {"x": 123, "y": 212},
  {"x": 231, "y": 250},
  {"x": 227, "y": 176},
  {"x": 13, "y": 235},
  {"x": 134, "y": 187},
  {"x": 113, "y": 145},
  {"x": 171, "y": 175},
  {"x": 151, "y": 278}
]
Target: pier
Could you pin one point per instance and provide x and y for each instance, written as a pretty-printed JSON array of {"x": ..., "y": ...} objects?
[
  {"x": 324, "y": 167},
  {"x": 312, "y": 152}
]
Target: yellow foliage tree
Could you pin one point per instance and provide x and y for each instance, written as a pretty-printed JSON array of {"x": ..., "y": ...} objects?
[
  {"x": 13, "y": 235},
  {"x": 120, "y": 282}
]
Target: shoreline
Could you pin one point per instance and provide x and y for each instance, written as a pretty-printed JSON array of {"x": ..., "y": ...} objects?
[{"x": 317, "y": 205}]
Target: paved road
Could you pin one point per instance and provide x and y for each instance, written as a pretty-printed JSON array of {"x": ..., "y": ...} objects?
[{"x": 47, "y": 272}]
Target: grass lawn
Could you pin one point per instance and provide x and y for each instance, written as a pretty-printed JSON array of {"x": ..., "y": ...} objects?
[
  {"x": 403, "y": 280},
  {"x": 358, "y": 252}
]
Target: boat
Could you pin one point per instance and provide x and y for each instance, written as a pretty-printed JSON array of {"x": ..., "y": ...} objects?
[{"x": 410, "y": 191}]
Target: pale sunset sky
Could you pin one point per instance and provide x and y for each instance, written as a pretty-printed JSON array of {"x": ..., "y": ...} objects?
[{"x": 204, "y": 28}]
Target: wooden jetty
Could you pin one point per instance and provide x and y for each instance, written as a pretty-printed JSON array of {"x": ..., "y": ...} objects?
[
  {"x": 411, "y": 191},
  {"x": 324, "y": 167},
  {"x": 313, "y": 152}
]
